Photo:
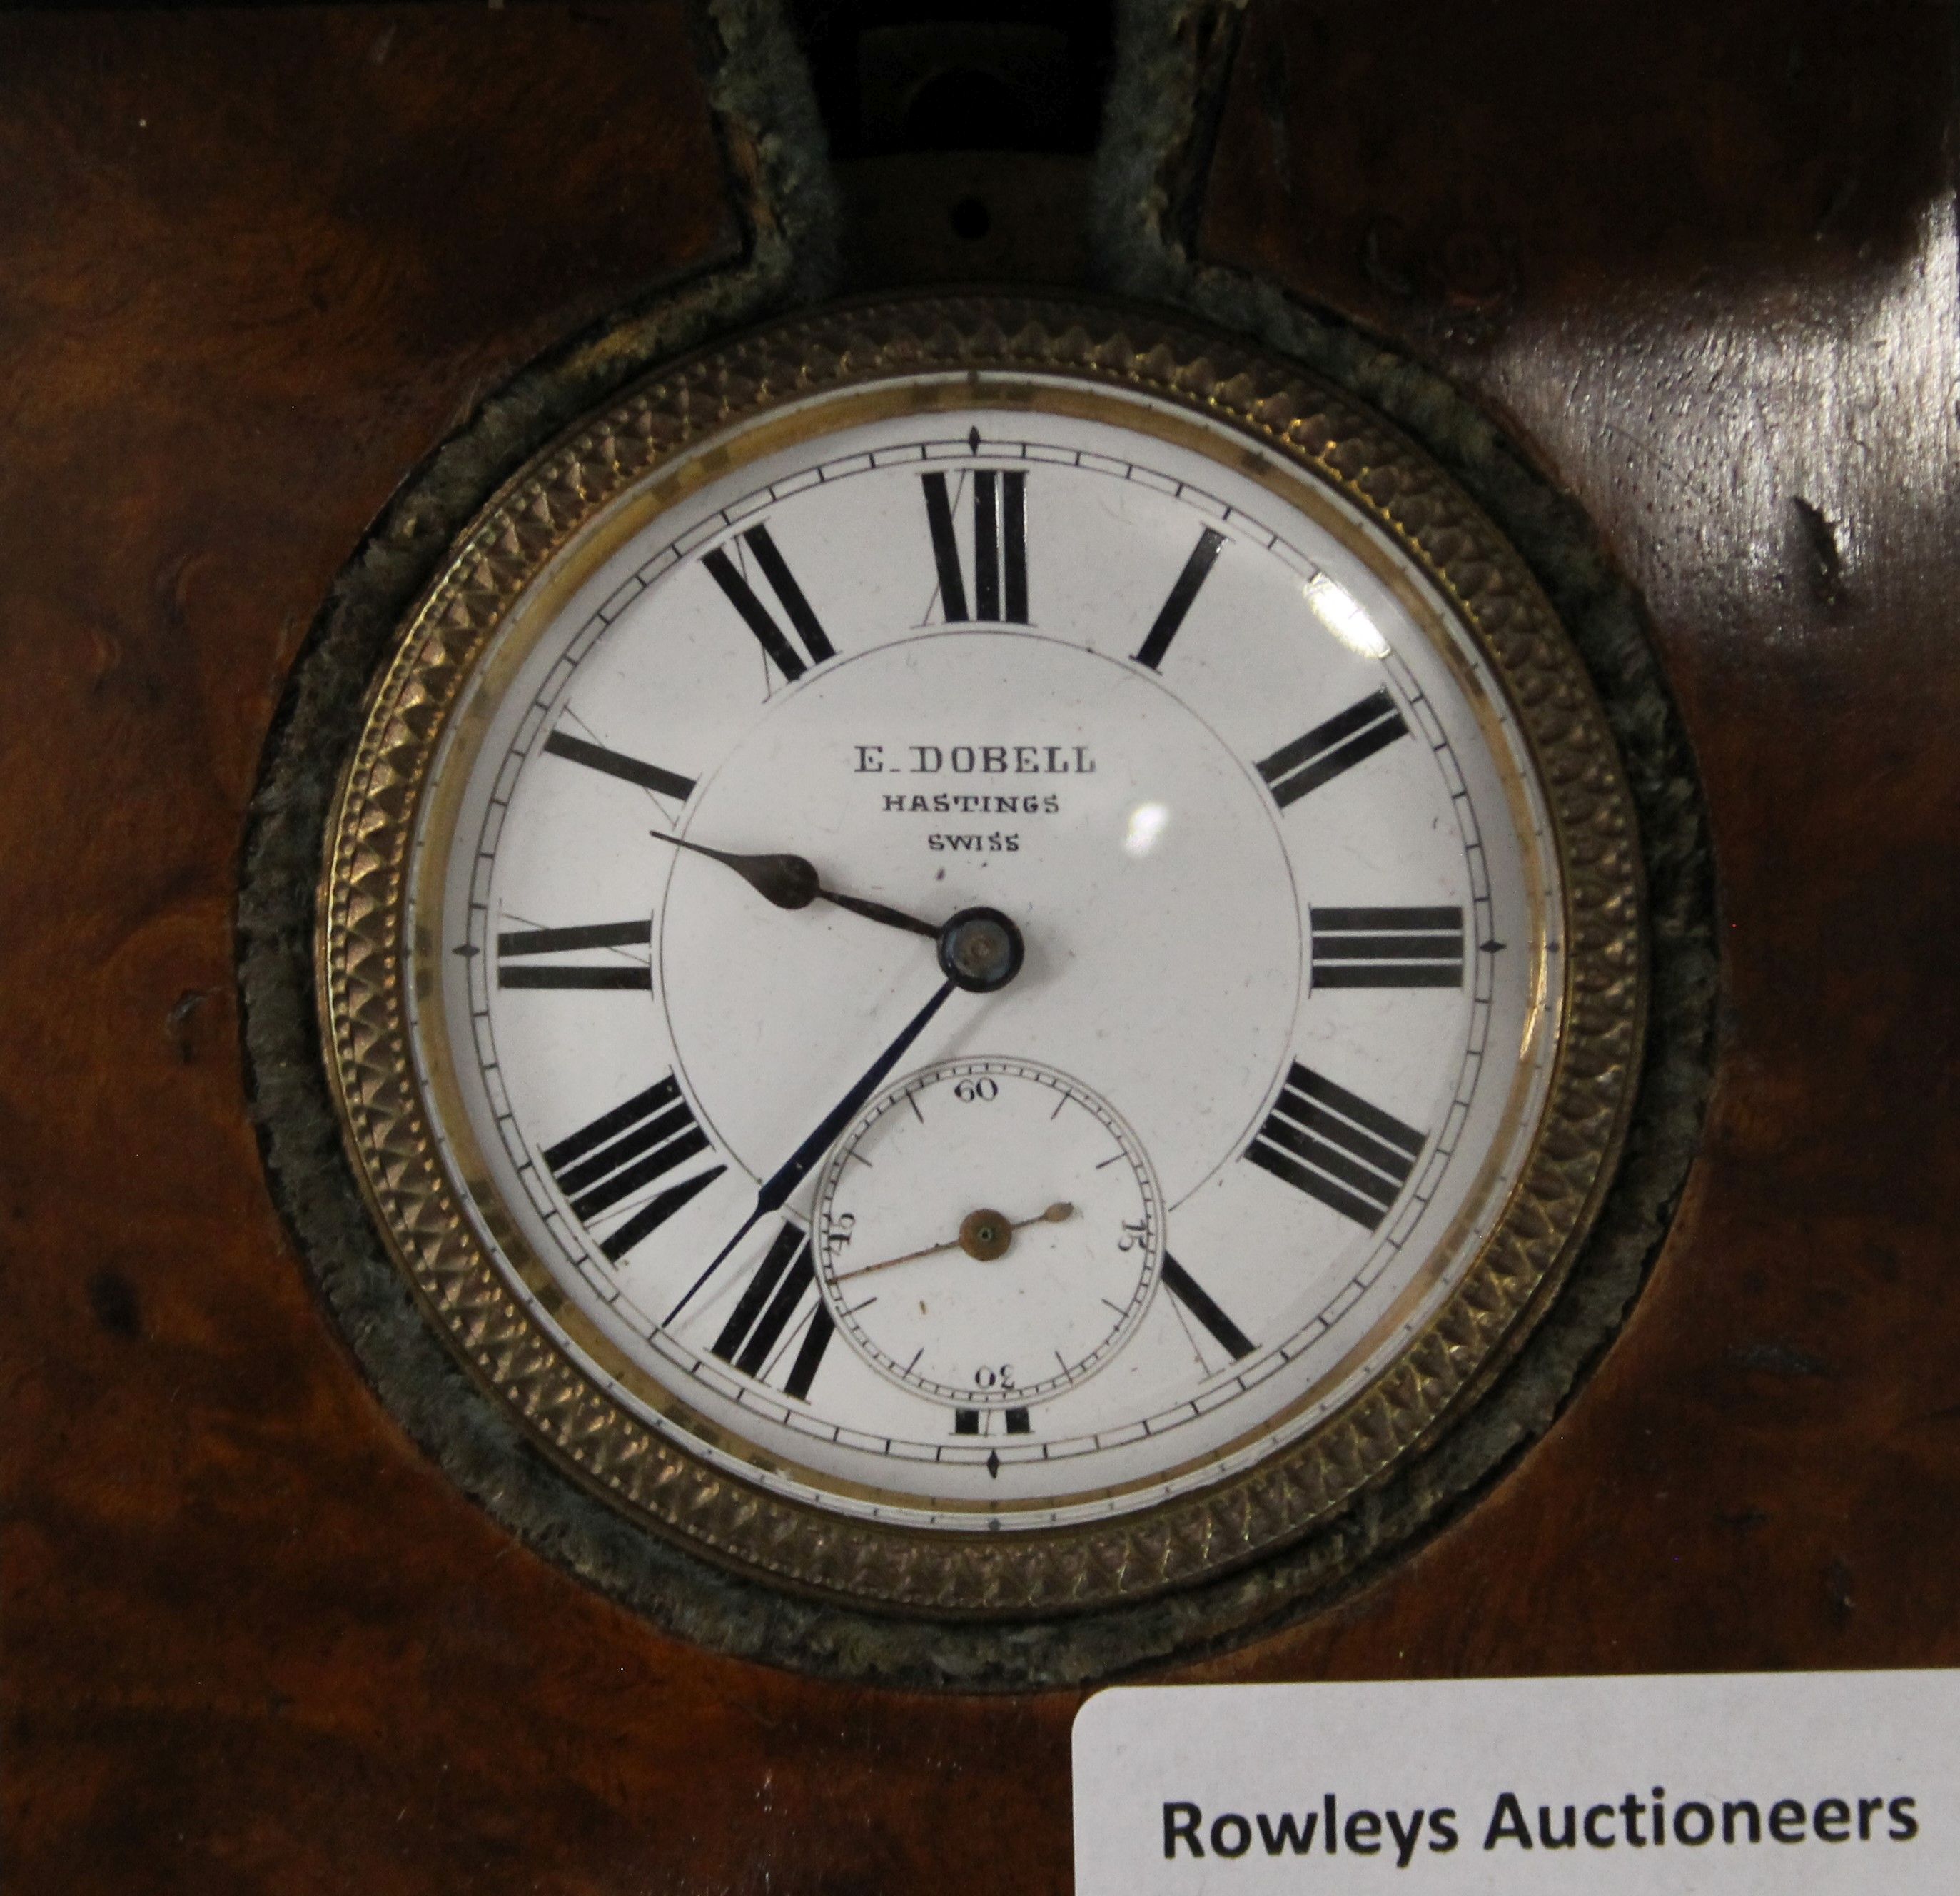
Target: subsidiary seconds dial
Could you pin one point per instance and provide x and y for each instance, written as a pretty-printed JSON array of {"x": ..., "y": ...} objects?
[
  {"x": 992, "y": 951},
  {"x": 993, "y": 1307}
]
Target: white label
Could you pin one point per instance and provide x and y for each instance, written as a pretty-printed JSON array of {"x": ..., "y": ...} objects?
[{"x": 1778, "y": 1782}]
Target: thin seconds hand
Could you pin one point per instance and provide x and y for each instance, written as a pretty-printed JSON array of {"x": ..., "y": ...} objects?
[
  {"x": 1056, "y": 1213},
  {"x": 776, "y": 1190}
]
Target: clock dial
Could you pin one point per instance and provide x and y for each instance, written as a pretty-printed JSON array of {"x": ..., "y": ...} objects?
[
  {"x": 987, "y": 955},
  {"x": 1293, "y": 958}
]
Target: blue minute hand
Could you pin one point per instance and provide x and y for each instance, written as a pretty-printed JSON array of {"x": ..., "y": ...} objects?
[{"x": 776, "y": 1190}]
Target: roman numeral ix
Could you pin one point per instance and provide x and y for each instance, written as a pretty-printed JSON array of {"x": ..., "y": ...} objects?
[
  {"x": 768, "y": 634},
  {"x": 1000, "y": 547},
  {"x": 621, "y": 1152},
  {"x": 1327, "y": 749},
  {"x": 1388, "y": 947},
  {"x": 784, "y": 1278},
  {"x": 515, "y": 944},
  {"x": 1325, "y": 1141}
]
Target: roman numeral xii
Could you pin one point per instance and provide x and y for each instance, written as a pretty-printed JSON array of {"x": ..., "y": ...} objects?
[{"x": 1000, "y": 547}]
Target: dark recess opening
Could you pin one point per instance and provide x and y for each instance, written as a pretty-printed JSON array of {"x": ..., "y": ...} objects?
[
  {"x": 971, "y": 220},
  {"x": 911, "y": 75}
]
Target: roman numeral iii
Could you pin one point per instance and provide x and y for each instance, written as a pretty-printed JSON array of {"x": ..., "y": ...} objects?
[
  {"x": 622, "y": 1152},
  {"x": 1000, "y": 547},
  {"x": 783, "y": 1281},
  {"x": 1344, "y": 740},
  {"x": 1326, "y": 1142},
  {"x": 1388, "y": 947},
  {"x": 768, "y": 634}
]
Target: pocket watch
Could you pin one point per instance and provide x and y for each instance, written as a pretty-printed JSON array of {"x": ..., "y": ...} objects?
[{"x": 983, "y": 955}]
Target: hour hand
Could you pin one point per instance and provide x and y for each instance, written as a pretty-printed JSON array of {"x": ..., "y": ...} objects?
[
  {"x": 792, "y": 882},
  {"x": 875, "y": 910}
]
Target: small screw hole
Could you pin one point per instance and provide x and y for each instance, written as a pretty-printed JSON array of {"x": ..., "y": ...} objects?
[{"x": 971, "y": 220}]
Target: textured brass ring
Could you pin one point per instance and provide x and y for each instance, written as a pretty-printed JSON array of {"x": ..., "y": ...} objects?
[{"x": 364, "y": 963}]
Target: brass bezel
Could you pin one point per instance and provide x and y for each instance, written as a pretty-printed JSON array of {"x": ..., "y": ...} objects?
[{"x": 615, "y": 460}]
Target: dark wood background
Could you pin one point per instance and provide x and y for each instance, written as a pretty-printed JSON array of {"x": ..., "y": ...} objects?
[{"x": 1701, "y": 261}]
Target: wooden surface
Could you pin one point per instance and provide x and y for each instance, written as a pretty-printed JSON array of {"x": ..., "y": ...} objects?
[
  {"x": 1701, "y": 262},
  {"x": 252, "y": 266}
]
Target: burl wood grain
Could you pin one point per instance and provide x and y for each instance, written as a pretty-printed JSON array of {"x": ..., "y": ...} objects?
[
  {"x": 252, "y": 266},
  {"x": 1702, "y": 261}
]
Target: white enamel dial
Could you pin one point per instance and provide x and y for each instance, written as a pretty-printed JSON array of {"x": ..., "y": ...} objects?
[{"x": 1208, "y": 751}]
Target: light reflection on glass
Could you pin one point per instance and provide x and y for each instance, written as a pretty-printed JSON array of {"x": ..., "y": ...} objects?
[
  {"x": 1338, "y": 611},
  {"x": 1147, "y": 822}
]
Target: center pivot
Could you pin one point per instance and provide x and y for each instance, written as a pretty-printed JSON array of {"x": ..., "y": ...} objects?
[
  {"x": 986, "y": 1235},
  {"x": 981, "y": 950}
]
